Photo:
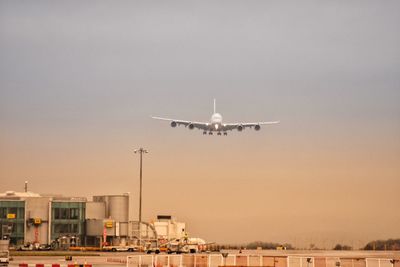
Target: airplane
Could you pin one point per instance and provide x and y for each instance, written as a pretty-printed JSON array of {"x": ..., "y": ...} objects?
[{"x": 216, "y": 124}]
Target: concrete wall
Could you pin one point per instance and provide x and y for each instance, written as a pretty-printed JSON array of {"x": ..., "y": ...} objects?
[
  {"x": 94, "y": 227},
  {"x": 162, "y": 229},
  {"x": 95, "y": 210},
  {"x": 169, "y": 229},
  {"x": 123, "y": 229},
  {"x": 37, "y": 207}
]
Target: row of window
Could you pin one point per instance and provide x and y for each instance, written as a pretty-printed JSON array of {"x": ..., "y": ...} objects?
[
  {"x": 71, "y": 228},
  {"x": 66, "y": 214},
  {"x": 58, "y": 213},
  {"x": 17, "y": 228},
  {"x": 11, "y": 213},
  {"x": 60, "y": 210}
]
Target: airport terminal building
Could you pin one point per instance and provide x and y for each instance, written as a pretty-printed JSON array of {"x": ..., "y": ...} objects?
[{"x": 27, "y": 217}]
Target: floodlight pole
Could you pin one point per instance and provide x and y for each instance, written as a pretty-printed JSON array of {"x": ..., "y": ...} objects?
[{"x": 140, "y": 151}]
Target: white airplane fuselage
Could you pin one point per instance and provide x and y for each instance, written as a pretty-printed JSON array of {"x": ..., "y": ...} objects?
[{"x": 216, "y": 122}]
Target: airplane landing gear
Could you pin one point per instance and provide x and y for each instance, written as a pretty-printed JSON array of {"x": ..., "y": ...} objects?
[
  {"x": 204, "y": 132},
  {"x": 225, "y": 133},
  {"x": 210, "y": 133},
  {"x": 219, "y": 133}
]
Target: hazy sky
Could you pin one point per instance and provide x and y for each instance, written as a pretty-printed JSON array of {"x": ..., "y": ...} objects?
[{"x": 79, "y": 80}]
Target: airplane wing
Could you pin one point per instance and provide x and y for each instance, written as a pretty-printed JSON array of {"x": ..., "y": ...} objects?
[
  {"x": 252, "y": 124},
  {"x": 242, "y": 125},
  {"x": 190, "y": 124}
]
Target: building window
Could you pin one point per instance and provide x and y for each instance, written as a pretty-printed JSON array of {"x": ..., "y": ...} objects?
[
  {"x": 13, "y": 211},
  {"x": 21, "y": 213},
  {"x": 3, "y": 213},
  {"x": 74, "y": 213},
  {"x": 12, "y": 214},
  {"x": 19, "y": 228},
  {"x": 74, "y": 228},
  {"x": 17, "y": 213},
  {"x": 66, "y": 228},
  {"x": 60, "y": 228},
  {"x": 56, "y": 213},
  {"x": 66, "y": 213}
]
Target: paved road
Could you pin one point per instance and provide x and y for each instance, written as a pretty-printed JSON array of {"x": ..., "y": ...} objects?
[{"x": 119, "y": 258}]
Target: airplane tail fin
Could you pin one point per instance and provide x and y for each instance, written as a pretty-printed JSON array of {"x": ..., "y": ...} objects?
[{"x": 215, "y": 109}]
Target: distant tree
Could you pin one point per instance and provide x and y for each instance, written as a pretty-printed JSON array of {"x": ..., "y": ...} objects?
[
  {"x": 390, "y": 244},
  {"x": 338, "y": 247},
  {"x": 342, "y": 247},
  {"x": 267, "y": 245}
]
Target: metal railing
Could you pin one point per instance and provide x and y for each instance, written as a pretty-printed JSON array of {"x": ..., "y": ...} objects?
[{"x": 215, "y": 260}]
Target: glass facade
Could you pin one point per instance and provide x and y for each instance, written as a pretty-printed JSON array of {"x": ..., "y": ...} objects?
[
  {"x": 12, "y": 217},
  {"x": 68, "y": 220}
]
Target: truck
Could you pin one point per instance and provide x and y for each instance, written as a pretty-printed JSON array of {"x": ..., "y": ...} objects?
[
  {"x": 187, "y": 245},
  {"x": 4, "y": 253},
  {"x": 152, "y": 246}
]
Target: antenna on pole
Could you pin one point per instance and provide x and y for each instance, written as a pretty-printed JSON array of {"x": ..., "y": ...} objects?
[{"x": 215, "y": 108}]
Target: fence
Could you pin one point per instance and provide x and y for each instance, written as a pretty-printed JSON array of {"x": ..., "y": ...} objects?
[
  {"x": 215, "y": 260},
  {"x": 372, "y": 262}
]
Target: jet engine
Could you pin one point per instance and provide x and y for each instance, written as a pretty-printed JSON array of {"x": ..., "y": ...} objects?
[
  {"x": 240, "y": 128},
  {"x": 173, "y": 123},
  {"x": 257, "y": 127},
  {"x": 191, "y": 126}
]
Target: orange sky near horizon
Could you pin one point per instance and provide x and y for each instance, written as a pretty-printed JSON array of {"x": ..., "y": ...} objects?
[
  {"x": 79, "y": 82},
  {"x": 294, "y": 189}
]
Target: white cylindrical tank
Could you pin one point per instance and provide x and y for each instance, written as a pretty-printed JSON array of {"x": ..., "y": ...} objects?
[{"x": 118, "y": 208}]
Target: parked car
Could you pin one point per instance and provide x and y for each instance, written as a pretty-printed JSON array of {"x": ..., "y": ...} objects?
[
  {"x": 26, "y": 247},
  {"x": 44, "y": 247}
]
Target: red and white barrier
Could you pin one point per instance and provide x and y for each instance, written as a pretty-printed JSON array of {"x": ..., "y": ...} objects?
[{"x": 53, "y": 265}]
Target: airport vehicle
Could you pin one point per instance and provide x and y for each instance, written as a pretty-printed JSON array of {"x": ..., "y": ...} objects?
[
  {"x": 153, "y": 247},
  {"x": 27, "y": 247},
  {"x": 155, "y": 250},
  {"x": 4, "y": 257},
  {"x": 216, "y": 125},
  {"x": 44, "y": 247},
  {"x": 186, "y": 245},
  {"x": 4, "y": 253},
  {"x": 129, "y": 248}
]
